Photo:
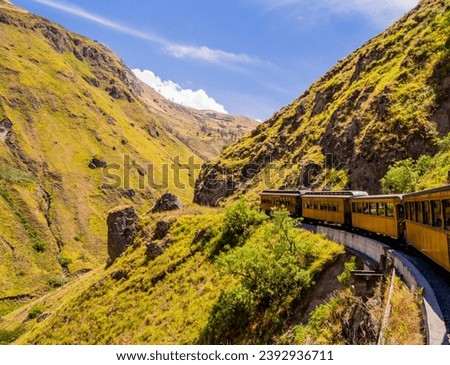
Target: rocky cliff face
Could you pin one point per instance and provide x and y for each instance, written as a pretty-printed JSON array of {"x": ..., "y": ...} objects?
[
  {"x": 122, "y": 224},
  {"x": 386, "y": 101}
]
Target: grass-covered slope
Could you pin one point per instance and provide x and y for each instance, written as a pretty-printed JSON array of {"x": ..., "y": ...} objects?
[
  {"x": 386, "y": 101},
  {"x": 64, "y": 101},
  {"x": 226, "y": 277}
]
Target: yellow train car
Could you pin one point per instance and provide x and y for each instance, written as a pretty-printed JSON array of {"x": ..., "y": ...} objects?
[
  {"x": 329, "y": 206},
  {"x": 288, "y": 199},
  {"x": 381, "y": 214},
  {"x": 427, "y": 218}
]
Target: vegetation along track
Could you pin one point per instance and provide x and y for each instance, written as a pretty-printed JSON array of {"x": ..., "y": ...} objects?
[{"x": 438, "y": 279}]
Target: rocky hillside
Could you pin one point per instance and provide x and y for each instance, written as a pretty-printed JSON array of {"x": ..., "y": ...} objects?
[
  {"x": 79, "y": 134},
  {"x": 205, "y": 132},
  {"x": 389, "y": 100}
]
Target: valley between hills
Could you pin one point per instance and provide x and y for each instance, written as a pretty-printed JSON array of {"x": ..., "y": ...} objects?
[{"x": 129, "y": 219}]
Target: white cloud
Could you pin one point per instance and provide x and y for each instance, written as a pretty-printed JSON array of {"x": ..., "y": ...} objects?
[
  {"x": 202, "y": 53},
  {"x": 380, "y": 12},
  {"x": 174, "y": 92},
  {"x": 208, "y": 54}
]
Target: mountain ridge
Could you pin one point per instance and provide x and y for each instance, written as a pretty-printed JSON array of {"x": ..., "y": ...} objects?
[{"x": 386, "y": 101}]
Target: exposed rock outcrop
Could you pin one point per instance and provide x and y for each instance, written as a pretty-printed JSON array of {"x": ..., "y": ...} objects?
[
  {"x": 167, "y": 202},
  {"x": 96, "y": 163},
  {"x": 5, "y": 128},
  {"x": 211, "y": 186},
  {"x": 122, "y": 229},
  {"x": 162, "y": 227},
  {"x": 155, "y": 249}
]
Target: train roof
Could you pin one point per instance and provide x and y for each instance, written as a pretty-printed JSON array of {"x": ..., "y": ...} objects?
[
  {"x": 429, "y": 191},
  {"x": 282, "y": 192},
  {"x": 337, "y": 193},
  {"x": 380, "y": 196}
]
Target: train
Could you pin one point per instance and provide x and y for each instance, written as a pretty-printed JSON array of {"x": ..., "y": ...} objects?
[{"x": 421, "y": 219}]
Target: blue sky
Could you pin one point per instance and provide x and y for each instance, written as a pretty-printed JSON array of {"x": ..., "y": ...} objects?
[{"x": 247, "y": 57}]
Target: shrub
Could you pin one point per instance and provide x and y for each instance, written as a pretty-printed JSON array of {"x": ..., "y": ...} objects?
[
  {"x": 240, "y": 220},
  {"x": 35, "y": 311},
  {"x": 58, "y": 282},
  {"x": 401, "y": 177},
  {"x": 271, "y": 278},
  {"x": 8, "y": 336},
  {"x": 229, "y": 317},
  {"x": 39, "y": 246},
  {"x": 64, "y": 261},
  {"x": 13, "y": 175},
  {"x": 344, "y": 278}
]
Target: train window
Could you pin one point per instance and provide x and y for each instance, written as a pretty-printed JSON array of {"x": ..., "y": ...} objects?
[
  {"x": 366, "y": 208},
  {"x": 407, "y": 210},
  {"x": 389, "y": 209},
  {"x": 373, "y": 208},
  {"x": 380, "y": 209},
  {"x": 359, "y": 207},
  {"x": 419, "y": 212},
  {"x": 412, "y": 211},
  {"x": 315, "y": 205},
  {"x": 436, "y": 213},
  {"x": 400, "y": 211},
  {"x": 353, "y": 207},
  {"x": 446, "y": 208},
  {"x": 426, "y": 212},
  {"x": 335, "y": 206}
]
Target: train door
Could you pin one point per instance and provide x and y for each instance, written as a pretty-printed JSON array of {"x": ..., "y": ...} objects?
[
  {"x": 400, "y": 215},
  {"x": 298, "y": 207}
]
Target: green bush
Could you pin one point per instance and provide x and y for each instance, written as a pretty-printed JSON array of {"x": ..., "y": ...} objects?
[
  {"x": 8, "y": 336},
  {"x": 271, "y": 278},
  {"x": 229, "y": 317},
  {"x": 58, "y": 282},
  {"x": 13, "y": 175},
  {"x": 344, "y": 277},
  {"x": 401, "y": 177},
  {"x": 64, "y": 261},
  {"x": 39, "y": 246},
  {"x": 35, "y": 311},
  {"x": 239, "y": 222}
]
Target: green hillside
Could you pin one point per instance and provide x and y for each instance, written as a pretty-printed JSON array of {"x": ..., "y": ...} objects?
[
  {"x": 66, "y": 104},
  {"x": 385, "y": 102},
  {"x": 220, "y": 275},
  {"x": 172, "y": 298}
]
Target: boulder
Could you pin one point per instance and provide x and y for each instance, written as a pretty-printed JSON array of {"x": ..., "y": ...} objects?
[
  {"x": 122, "y": 229},
  {"x": 162, "y": 227},
  {"x": 155, "y": 249},
  {"x": 166, "y": 202},
  {"x": 5, "y": 128},
  {"x": 96, "y": 163}
]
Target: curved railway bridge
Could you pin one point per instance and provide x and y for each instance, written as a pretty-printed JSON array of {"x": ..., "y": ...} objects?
[{"x": 416, "y": 270}]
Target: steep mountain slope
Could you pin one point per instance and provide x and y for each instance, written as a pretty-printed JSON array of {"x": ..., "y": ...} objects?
[
  {"x": 205, "y": 132},
  {"x": 68, "y": 106},
  {"x": 170, "y": 297},
  {"x": 387, "y": 101}
]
